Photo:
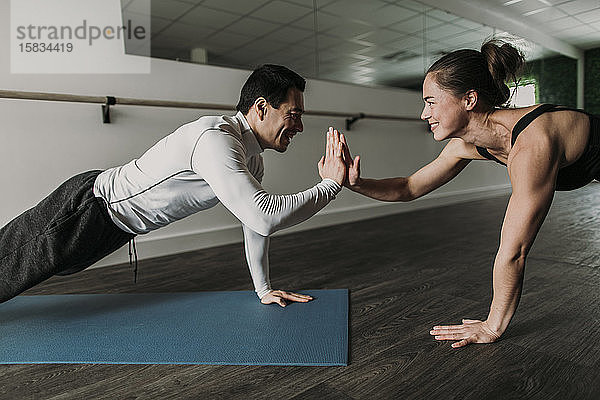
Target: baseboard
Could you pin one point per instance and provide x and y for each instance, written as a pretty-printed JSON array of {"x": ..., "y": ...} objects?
[{"x": 161, "y": 246}]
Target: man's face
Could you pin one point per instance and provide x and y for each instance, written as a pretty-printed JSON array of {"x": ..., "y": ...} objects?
[{"x": 280, "y": 125}]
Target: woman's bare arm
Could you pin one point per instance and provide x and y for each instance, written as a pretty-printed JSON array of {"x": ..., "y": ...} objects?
[
  {"x": 533, "y": 169},
  {"x": 451, "y": 161}
]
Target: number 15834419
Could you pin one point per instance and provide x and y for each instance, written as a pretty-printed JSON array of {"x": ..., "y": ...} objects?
[{"x": 42, "y": 47}]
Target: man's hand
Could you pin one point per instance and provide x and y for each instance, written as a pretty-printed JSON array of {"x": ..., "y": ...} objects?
[
  {"x": 331, "y": 165},
  {"x": 471, "y": 331},
  {"x": 280, "y": 297},
  {"x": 352, "y": 164}
]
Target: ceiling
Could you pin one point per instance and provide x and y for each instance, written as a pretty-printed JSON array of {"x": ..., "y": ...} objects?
[{"x": 369, "y": 42}]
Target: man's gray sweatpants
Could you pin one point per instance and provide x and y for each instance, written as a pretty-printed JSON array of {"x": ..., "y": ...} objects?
[{"x": 65, "y": 233}]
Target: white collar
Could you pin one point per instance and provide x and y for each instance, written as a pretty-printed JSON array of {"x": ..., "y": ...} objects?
[{"x": 248, "y": 136}]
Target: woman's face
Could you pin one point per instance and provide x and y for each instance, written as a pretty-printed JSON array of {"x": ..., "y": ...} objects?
[{"x": 445, "y": 113}]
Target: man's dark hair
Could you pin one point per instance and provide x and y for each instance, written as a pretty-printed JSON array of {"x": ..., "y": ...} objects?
[{"x": 271, "y": 82}]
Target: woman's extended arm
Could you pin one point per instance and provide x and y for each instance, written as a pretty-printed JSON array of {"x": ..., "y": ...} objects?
[
  {"x": 451, "y": 161},
  {"x": 533, "y": 170}
]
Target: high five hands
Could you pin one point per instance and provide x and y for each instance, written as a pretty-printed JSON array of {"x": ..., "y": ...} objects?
[
  {"x": 332, "y": 165},
  {"x": 337, "y": 163}
]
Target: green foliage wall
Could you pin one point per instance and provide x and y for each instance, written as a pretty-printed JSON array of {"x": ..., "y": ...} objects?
[
  {"x": 592, "y": 81},
  {"x": 556, "y": 80}
]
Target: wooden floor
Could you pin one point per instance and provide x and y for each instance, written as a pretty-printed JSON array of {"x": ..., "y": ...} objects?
[{"x": 406, "y": 273}]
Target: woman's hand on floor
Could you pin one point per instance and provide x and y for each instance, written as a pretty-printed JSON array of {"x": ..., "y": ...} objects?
[{"x": 470, "y": 331}]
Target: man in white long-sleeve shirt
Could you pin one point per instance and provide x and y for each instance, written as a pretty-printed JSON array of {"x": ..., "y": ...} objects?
[{"x": 201, "y": 163}]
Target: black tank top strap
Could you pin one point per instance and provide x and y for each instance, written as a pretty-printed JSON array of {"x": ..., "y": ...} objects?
[
  {"x": 562, "y": 108},
  {"x": 485, "y": 153},
  {"x": 528, "y": 119},
  {"x": 524, "y": 123},
  {"x": 582, "y": 171}
]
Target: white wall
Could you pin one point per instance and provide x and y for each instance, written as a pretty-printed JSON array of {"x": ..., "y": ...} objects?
[{"x": 44, "y": 143}]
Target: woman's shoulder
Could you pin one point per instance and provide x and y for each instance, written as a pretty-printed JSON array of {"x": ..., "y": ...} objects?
[
  {"x": 543, "y": 129},
  {"x": 549, "y": 120},
  {"x": 544, "y": 112},
  {"x": 461, "y": 149},
  {"x": 512, "y": 115}
]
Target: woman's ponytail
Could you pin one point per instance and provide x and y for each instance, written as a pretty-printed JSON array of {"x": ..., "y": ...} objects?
[{"x": 484, "y": 71}]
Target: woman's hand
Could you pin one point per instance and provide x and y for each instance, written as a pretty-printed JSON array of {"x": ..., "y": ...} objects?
[
  {"x": 470, "y": 331},
  {"x": 353, "y": 165}
]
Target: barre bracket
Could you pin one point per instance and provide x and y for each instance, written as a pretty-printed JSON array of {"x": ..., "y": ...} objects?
[
  {"x": 110, "y": 101},
  {"x": 351, "y": 121}
]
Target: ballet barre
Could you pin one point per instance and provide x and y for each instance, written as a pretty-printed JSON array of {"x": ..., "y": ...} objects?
[{"x": 108, "y": 101}]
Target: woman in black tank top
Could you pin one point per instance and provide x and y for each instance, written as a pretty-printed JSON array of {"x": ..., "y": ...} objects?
[{"x": 545, "y": 148}]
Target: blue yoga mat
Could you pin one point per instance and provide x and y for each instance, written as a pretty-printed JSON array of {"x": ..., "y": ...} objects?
[{"x": 231, "y": 328}]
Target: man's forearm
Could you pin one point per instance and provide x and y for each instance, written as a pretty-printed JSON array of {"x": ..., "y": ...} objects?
[
  {"x": 257, "y": 256},
  {"x": 239, "y": 191},
  {"x": 388, "y": 189}
]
